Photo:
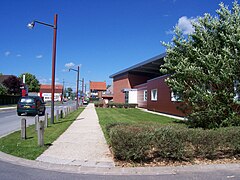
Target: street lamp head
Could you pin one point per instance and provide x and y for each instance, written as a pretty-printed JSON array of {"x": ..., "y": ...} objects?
[{"x": 31, "y": 25}]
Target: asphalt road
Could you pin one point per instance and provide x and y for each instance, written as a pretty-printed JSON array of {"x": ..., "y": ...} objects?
[
  {"x": 10, "y": 121},
  {"x": 10, "y": 171}
]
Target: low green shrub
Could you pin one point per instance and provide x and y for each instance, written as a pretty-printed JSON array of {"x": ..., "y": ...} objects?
[
  {"x": 98, "y": 104},
  {"x": 115, "y": 105},
  {"x": 130, "y": 143},
  {"x": 169, "y": 143},
  {"x": 140, "y": 143}
]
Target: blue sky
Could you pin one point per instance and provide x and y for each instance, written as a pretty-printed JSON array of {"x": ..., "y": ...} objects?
[{"x": 103, "y": 36}]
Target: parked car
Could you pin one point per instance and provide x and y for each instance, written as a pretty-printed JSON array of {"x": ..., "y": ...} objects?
[{"x": 31, "y": 105}]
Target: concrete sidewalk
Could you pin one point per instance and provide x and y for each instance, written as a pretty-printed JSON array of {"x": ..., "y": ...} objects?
[{"x": 82, "y": 144}]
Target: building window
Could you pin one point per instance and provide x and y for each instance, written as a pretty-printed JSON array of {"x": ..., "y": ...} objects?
[
  {"x": 145, "y": 95},
  {"x": 154, "y": 94},
  {"x": 126, "y": 97}
]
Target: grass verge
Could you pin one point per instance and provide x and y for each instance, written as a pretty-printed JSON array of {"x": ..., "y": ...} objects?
[
  {"x": 29, "y": 149},
  {"x": 111, "y": 116}
]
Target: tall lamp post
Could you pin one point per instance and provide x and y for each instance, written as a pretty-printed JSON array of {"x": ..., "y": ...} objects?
[
  {"x": 54, "y": 26},
  {"x": 77, "y": 70}
]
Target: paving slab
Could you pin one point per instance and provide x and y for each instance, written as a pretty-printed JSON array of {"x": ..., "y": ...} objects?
[{"x": 82, "y": 144}]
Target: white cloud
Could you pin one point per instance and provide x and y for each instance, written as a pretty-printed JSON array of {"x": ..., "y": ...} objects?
[
  {"x": 185, "y": 25},
  {"x": 7, "y": 53},
  {"x": 69, "y": 65},
  {"x": 39, "y": 56},
  {"x": 43, "y": 81},
  {"x": 18, "y": 55},
  {"x": 169, "y": 32}
]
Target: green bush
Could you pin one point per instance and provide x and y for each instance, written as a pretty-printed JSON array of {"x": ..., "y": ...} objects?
[
  {"x": 169, "y": 142},
  {"x": 140, "y": 143},
  {"x": 131, "y": 143},
  {"x": 117, "y": 105},
  {"x": 98, "y": 104}
]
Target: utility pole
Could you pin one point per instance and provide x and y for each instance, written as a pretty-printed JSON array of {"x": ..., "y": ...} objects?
[
  {"x": 63, "y": 91},
  {"x": 78, "y": 74},
  {"x": 82, "y": 85}
]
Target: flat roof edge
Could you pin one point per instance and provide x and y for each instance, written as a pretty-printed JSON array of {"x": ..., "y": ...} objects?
[{"x": 138, "y": 65}]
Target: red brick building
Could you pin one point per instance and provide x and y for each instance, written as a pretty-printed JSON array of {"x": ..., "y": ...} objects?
[
  {"x": 46, "y": 91},
  {"x": 145, "y": 85},
  {"x": 97, "y": 89}
]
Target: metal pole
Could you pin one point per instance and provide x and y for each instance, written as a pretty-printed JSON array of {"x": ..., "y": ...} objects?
[
  {"x": 77, "y": 87},
  {"x": 53, "y": 65},
  {"x": 82, "y": 85},
  {"x": 63, "y": 92},
  {"x": 82, "y": 98}
]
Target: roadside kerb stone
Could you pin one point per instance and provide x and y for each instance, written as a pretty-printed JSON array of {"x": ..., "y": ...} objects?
[{"x": 117, "y": 170}]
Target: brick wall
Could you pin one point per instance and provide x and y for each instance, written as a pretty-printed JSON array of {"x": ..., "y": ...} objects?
[
  {"x": 163, "y": 103},
  {"x": 127, "y": 81},
  {"x": 119, "y": 83}
]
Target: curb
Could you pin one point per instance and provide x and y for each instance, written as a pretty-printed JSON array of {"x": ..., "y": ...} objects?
[
  {"x": 6, "y": 108},
  {"x": 167, "y": 170}
]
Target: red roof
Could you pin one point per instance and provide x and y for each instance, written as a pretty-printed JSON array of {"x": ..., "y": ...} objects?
[
  {"x": 46, "y": 88},
  {"x": 100, "y": 86}
]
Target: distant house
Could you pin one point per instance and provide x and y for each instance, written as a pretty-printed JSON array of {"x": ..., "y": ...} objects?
[
  {"x": 145, "y": 85},
  {"x": 97, "y": 89},
  {"x": 46, "y": 92}
]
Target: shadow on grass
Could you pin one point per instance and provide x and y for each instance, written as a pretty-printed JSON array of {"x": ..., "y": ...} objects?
[
  {"x": 29, "y": 137},
  {"x": 63, "y": 121},
  {"x": 48, "y": 144},
  {"x": 180, "y": 122}
]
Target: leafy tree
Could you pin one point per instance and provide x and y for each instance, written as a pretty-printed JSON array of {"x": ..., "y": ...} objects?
[
  {"x": 31, "y": 81},
  {"x": 12, "y": 83},
  {"x": 203, "y": 67},
  {"x": 3, "y": 89},
  {"x": 69, "y": 91}
]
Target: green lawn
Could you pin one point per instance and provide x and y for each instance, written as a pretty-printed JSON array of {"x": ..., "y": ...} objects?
[
  {"x": 29, "y": 149},
  {"x": 109, "y": 116}
]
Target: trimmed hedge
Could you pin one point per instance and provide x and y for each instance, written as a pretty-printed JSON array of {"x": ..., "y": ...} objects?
[
  {"x": 115, "y": 105},
  {"x": 141, "y": 143},
  {"x": 9, "y": 99}
]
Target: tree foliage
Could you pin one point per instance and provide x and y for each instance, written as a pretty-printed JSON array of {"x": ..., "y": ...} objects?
[
  {"x": 31, "y": 81},
  {"x": 12, "y": 83},
  {"x": 203, "y": 67},
  {"x": 3, "y": 89},
  {"x": 69, "y": 91}
]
